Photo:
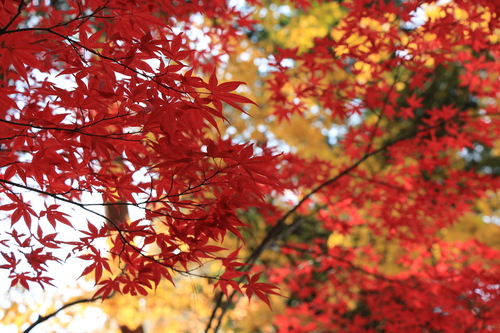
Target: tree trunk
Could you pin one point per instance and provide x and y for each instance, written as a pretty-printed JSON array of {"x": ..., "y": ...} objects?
[{"x": 119, "y": 214}]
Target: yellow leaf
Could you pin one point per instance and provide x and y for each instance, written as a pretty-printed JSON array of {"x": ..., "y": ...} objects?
[{"x": 335, "y": 239}]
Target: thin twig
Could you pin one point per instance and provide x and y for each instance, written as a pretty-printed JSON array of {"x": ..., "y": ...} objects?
[{"x": 41, "y": 319}]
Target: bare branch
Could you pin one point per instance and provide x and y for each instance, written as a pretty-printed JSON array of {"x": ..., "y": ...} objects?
[{"x": 41, "y": 319}]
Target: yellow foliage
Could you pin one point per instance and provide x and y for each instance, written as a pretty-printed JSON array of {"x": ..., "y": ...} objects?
[
  {"x": 335, "y": 239},
  {"x": 302, "y": 29},
  {"x": 400, "y": 86},
  {"x": 460, "y": 14},
  {"x": 429, "y": 37},
  {"x": 434, "y": 12},
  {"x": 436, "y": 251},
  {"x": 473, "y": 227},
  {"x": 494, "y": 37}
]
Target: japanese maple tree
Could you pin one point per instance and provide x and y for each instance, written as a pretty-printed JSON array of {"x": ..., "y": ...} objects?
[
  {"x": 405, "y": 96},
  {"x": 124, "y": 100},
  {"x": 132, "y": 121}
]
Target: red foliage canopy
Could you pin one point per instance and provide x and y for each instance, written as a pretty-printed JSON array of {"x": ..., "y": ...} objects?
[
  {"x": 135, "y": 122},
  {"x": 422, "y": 178},
  {"x": 132, "y": 121}
]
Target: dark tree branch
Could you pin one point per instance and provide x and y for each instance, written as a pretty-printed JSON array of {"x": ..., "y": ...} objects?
[
  {"x": 13, "y": 18},
  {"x": 41, "y": 319}
]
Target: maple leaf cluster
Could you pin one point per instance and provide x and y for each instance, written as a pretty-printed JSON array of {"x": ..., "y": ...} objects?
[
  {"x": 414, "y": 87},
  {"x": 107, "y": 98}
]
